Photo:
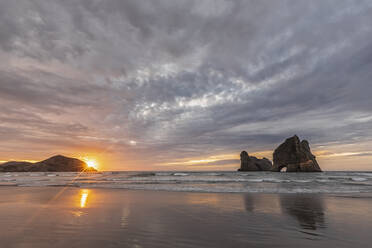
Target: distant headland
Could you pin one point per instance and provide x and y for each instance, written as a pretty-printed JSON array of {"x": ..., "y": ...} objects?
[
  {"x": 57, "y": 163},
  {"x": 293, "y": 154}
]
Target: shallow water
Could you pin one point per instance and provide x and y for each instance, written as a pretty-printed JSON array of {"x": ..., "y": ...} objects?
[
  {"x": 249, "y": 182},
  {"x": 73, "y": 217}
]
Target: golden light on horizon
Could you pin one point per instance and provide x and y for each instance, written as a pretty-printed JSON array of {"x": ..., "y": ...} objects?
[
  {"x": 92, "y": 163},
  {"x": 210, "y": 159}
]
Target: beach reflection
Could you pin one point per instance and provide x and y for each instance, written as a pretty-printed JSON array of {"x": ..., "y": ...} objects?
[
  {"x": 262, "y": 203},
  {"x": 93, "y": 218},
  {"x": 84, "y": 193},
  {"x": 307, "y": 209}
]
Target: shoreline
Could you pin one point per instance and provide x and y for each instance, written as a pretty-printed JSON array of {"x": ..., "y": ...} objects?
[
  {"x": 337, "y": 194},
  {"x": 209, "y": 182}
]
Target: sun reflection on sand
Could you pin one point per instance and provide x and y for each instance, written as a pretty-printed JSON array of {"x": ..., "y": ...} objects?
[
  {"x": 124, "y": 216},
  {"x": 84, "y": 197}
]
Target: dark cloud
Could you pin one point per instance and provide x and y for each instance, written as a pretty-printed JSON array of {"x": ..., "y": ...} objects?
[{"x": 177, "y": 79}]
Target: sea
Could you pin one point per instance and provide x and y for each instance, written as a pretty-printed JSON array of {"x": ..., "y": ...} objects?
[{"x": 192, "y": 181}]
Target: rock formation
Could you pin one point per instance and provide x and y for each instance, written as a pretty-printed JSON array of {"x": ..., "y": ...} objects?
[
  {"x": 296, "y": 156},
  {"x": 57, "y": 163},
  {"x": 250, "y": 163}
]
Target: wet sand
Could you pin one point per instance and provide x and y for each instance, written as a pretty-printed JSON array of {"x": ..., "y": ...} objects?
[{"x": 75, "y": 217}]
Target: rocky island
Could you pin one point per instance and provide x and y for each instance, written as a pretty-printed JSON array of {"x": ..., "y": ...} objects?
[
  {"x": 293, "y": 154},
  {"x": 251, "y": 163},
  {"x": 57, "y": 163},
  {"x": 296, "y": 156}
]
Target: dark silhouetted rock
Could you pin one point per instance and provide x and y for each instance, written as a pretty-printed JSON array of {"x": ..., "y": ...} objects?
[
  {"x": 57, "y": 164},
  {"x": 296, "y": 156},
  {"x": 14, "y": 166},
  {"x": 250, "y": 163}
]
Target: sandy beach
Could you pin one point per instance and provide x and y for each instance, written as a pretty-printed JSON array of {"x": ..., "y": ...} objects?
[{"x": 78, "y": 217}]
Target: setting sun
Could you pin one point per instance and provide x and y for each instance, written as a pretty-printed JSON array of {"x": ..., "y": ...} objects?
[{"x": 92, "y": 163}]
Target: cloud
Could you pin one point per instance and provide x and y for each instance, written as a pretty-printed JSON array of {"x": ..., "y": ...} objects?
[{"x": 184, "y": 78}]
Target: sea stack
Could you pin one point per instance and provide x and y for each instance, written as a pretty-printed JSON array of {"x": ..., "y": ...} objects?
[
  {"x": 296, "y": 156},
  {"x": 251, "y": 163}
]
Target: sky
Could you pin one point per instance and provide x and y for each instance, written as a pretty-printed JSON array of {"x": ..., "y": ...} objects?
[{"x": 183, "y": 84}]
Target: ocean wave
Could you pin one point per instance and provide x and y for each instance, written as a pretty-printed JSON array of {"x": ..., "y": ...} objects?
[
  {"x": 275, "y": 180},
  {"x": 302, "y": 181},
  {"x": 267, "y": 182},
  {"x": 367, "y": 174},
  {"x": 358, "y": 179},
  {"x": 144, "y": 174},
  {"x": 163, "y": 173},
  {"x": 213, "y": 174},
  {"x": 323, "y": 180},
  {"x": 254, "y": 180},
  {"x": 166, "y": 186},
  {"x": 180, "y": 174}
]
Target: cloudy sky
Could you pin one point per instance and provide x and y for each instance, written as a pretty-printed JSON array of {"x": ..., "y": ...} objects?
[{"x": 183, "y": 84}]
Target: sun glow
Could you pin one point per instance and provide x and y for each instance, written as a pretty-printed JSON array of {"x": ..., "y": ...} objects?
[{"x": 91, "y": 163}]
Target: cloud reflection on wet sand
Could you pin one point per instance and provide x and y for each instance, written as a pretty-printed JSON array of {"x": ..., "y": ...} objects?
[{"x": 101, "y": 218}]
